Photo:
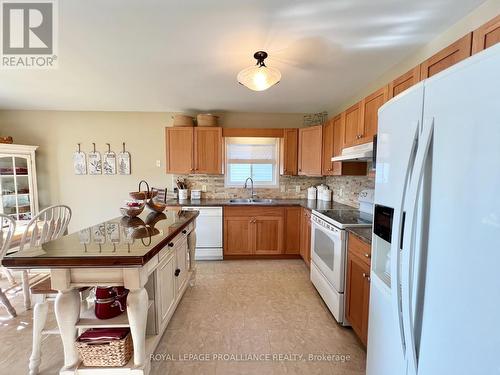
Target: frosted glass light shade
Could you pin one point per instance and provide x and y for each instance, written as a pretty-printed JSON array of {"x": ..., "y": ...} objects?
[{"x": 259, "y": 78}]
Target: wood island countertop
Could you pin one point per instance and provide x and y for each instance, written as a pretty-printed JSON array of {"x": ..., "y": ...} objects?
[{"x": 120, "y": 242}]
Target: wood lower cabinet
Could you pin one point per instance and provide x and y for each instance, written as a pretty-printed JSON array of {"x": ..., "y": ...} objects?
[
  {"x": 289, "y": 152},
  {"x": 268, "y": 234},
  {"x": 254, "y": 231},
  {"x": 404, "y": 82},
  {"x": 238, "y": 236},
  {"x": 310, "y": 153},
  {"x": 369, "y": 115},
  {"x": 194, "y": 150},
  {"x": 292, "y": 230},
  {"x": 305, "y": 236},
  {"x": 486, "y": 35},
  {"x": 447, "y": 57},
  {"x": 358, "y": 287}
]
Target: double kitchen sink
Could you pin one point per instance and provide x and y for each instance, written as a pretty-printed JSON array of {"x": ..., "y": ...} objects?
[{"x": 251, "y": 201}]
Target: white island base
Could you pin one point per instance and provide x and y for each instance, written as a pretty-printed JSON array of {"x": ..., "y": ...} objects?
[{"x": 155, "y": 291}]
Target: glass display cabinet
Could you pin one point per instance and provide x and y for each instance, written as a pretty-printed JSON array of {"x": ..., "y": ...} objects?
[{"x": 18, "y": 189}]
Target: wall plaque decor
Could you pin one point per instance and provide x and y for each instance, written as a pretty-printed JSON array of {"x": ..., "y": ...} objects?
[
  {"x": 80, "y": 162},
  {"x": 94, "y": 162}
]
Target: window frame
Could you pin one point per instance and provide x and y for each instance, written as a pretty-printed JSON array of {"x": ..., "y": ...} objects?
[{"x": 258, "y": 185}]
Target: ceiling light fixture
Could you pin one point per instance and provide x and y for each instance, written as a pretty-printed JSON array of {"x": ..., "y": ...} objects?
[{"x": 259, "y": 77}]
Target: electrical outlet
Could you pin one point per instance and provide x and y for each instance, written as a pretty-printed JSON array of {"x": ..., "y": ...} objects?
[
  {"x": 283, "y": 188},
  {"x": 297, "y": 188},
  {"x": 204, "y": 188},
  {"x": 158, "y": 163},
  {"x": 341, "y": 192}
]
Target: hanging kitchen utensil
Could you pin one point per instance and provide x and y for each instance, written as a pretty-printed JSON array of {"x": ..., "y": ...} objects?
[
  {"x": 94, "y": 162},
  {"x": 124, "y": 161},
  {"x": 109, "y": 165},
  {"x": 79, "y": 162}
]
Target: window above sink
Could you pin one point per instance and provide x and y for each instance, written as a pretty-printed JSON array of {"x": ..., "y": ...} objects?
[{"x": 253, "y": 157}]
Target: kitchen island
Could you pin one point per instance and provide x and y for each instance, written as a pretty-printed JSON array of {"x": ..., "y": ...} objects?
[{"x": 152, "y": 255}]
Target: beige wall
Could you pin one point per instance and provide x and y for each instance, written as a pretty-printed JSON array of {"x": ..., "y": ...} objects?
[
  {"x": 488, "y": 10},
  {"x": 95, "y": 198}
]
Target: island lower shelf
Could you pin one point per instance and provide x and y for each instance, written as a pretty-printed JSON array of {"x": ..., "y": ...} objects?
[{"x": 155, "y": 292}]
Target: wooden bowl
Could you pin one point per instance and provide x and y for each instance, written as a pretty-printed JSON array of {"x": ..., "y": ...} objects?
[
  {"x": 156, "y": 206},
  {"x": 143, "y": 195},
  {"x": 132, "y": 211}
]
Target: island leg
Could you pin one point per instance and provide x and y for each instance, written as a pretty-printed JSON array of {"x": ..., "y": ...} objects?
[
  {"x": 67, "y": 308},
  {"x": 137, "y": 310}
]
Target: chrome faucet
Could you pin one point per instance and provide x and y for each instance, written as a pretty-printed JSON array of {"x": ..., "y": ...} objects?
[{"x": 251, "y": 187}]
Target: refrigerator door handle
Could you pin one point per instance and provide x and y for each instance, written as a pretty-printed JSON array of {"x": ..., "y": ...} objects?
[
  {"x": 395, "y": 244},
  {"x": 409, "y": 242}
]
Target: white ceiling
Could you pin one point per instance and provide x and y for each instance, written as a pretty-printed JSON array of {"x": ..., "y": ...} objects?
[{"x": 158, "y": 55}]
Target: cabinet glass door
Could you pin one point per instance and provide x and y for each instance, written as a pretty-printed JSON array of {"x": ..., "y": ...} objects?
[{"x": 15, "y": 187}]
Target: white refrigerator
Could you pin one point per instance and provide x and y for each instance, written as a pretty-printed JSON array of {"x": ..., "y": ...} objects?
[{"x": 435, "y": 291}]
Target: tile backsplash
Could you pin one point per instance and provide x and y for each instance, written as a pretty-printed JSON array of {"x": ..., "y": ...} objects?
[
  {"x": 215, "y": 187},
  {"x": 345, "y": 188}
]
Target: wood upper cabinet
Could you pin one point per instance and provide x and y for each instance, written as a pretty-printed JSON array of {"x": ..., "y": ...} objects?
[
  {"x": 327, "y": 165},
  {"x": 310, "y": 153},
  {"x": 194, "y": 150},
  {"x": 368, "y": 123},
  {"x": 486, "y": 35},
  {"x": 338, "y": 133},
  {"x": 305, "y": 236},
  {"x": 254, "y": 230},
  {"x": 447, "y": 57},
  {"x": 351, "y": 118},
  {"x": 180, "y": 146},
  {"x": 208, "y": 150},
  {"x": 292, "y": 230},
  {"x": 289, "y": 152},
  {"x": 404, "y": 82},
  {"x": 358, "y": 286}
]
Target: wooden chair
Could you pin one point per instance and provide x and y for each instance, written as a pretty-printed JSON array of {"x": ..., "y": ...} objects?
[
  {"x": 49, "y": 224},
  {"x": 7, "y": 228}
]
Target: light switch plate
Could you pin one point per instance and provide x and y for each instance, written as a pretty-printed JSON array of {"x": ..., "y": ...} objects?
[
  {"x": 204, "y": 188},
  {"x": 282, "y": 188},
  {"x": 158, "y": 163},
  {"x": 297, "y": 188}
]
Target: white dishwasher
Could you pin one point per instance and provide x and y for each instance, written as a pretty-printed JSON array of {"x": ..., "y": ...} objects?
[{"x": 208, "y": 232}]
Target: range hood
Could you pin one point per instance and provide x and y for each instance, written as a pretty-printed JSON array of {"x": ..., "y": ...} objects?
[{"x": 362, "y": 152}]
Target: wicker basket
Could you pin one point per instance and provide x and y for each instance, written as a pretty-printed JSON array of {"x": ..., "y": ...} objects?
[
  {"x": 115, "y": 353},
  {"x": 182, "y": 120},
  {"x": 206, "y": 120}
]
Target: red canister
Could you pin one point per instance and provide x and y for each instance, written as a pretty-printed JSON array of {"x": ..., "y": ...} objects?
[{"x": 110, "y": 301}]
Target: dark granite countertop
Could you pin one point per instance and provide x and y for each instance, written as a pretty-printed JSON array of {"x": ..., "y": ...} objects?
[
  {"x": 309, "y": 204},
  {"x": 364, "y": 234},
  {"x": 120, "y": 242}
]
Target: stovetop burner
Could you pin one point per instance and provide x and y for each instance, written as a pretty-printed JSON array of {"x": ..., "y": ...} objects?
[{"x": 345, "y": 218}]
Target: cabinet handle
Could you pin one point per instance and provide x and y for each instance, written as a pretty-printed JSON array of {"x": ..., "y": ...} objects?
[
  {"x": 184, "y": 231},
  {"x": 177, "y": 272},
  {"x": 366, "y": 276},
  {"x": 170, "y": 244},
  {"x": 367, "y": 255}
]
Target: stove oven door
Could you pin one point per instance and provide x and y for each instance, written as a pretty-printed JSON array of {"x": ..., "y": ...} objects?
[{"x": 328, "y": 252}]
